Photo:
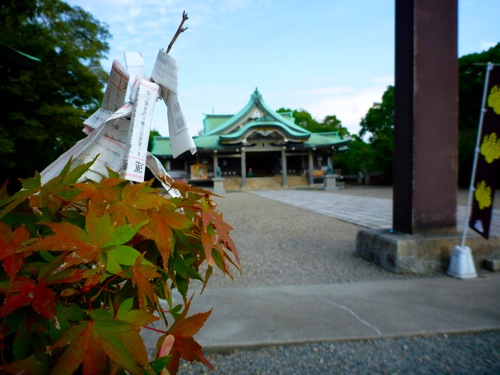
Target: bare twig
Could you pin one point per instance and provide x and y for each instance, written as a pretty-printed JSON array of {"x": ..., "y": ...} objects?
[{"x": 180, "y": 30}]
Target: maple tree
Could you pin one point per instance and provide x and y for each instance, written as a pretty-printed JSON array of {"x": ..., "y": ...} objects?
[{"x": 85, "y": 267}]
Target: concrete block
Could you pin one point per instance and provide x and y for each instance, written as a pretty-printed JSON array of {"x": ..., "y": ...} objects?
[
  {"x": 219, "y": 185},
  {"x": 330, "y": 181},
  {"x": 492, "y": 265},
  {"x": 419, "y": 254}
]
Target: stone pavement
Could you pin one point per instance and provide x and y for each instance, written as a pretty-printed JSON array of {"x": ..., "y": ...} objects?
[
  {"x": 364, "y": 211},
  {"x": 254, "y": 317}
]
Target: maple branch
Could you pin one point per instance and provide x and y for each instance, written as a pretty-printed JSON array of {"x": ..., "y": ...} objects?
[
  {"x": 180, "y": 30},
  {"x": 154, "y": 329}
]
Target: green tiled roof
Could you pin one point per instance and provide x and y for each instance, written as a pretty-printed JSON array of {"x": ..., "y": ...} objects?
[
  {"x": 161, "y": 146},
  {"x": 226, "y": 131},
  {"x": 255, "y": 101},
  {"x": 265, "y": 125},
  {"x": 212, "y": 122},
  {"x": 326, "y": 139}
]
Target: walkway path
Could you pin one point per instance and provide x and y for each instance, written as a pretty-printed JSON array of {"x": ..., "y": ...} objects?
[{"x": 360, "y": 210}]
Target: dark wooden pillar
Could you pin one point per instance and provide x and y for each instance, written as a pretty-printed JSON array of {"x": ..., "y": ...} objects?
[
  {"x": 284, "y": 168},
  {"x": 243, "y": 167},
  {"x": 426, "y": 116}
]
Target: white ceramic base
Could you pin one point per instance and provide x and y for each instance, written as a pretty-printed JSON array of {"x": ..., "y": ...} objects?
[{"x": 461, "y": 263}]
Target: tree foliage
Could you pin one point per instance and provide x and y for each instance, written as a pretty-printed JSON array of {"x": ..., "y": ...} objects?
[
  {"x": 472, "y": 72},
  {"x": 358, "y": 158},
  {"x": 378, "y": 126},
  {"x": 376, "y": 136},
  {"x": 47, "y": 103},
  {"x": 379, "y": 120},
  {"x": 329, "y": 124},
  {"x": 84, "y": 266}
]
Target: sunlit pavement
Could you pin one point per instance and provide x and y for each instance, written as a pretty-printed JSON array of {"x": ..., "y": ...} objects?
[{"x": 363, "y": 211}]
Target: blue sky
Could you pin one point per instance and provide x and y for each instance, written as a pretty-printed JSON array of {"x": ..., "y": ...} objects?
[{"x": 332, "y": 57}]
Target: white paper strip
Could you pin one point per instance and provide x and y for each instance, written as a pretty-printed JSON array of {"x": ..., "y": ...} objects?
[
  {"x": 57, "y": 165},
  {"x": 115, "y": 127},
  {"x": 180, "y": 139},
  {"x": 166, "y": 71},
  {"x": 96, "y": 119},
  {"x": 114, "y": 97},
  {"x": 159, "y": 172},
  {"x": 135, "y": 67},
  {"x": 110, "y": 153},
  {"x": 134, "y": 162}
]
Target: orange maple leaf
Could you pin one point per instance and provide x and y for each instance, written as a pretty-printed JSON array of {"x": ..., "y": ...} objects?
[
  {"x": 134, "y": 200},
  {"x": 179, "y": 342},
  {"x": 99, "y": 342},
  {"x": 212, "y": 218},
  {"x": 142, "y": 274},
  {"x": 159, "y": 229}
]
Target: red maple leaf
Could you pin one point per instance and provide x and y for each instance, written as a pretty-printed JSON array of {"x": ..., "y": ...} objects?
[
  {"x": 179, "y": 342},
  {"x": 12, "y": 253},
  {"x": 23, "y": 292}
]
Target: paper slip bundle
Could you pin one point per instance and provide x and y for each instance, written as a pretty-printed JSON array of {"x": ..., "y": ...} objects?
[{"x": 118, "y": 132}]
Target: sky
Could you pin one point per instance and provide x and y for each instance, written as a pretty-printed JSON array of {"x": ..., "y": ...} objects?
[{"x": 328, "y": 57}]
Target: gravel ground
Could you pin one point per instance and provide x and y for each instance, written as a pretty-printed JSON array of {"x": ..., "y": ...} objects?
[
  {"x": 284, "y": 245},
  {"x": 473, "y": 353}
]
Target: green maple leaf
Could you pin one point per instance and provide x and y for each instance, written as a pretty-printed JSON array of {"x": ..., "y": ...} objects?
[
  {"x": 30, "y": 186},
  {"x": 122, "y": 255},
  {"x": 49, "y": 194},
  {"x": 136, "y": 318},
  {"x": 59, "y": 190},
  {"x": 98, "y": 343},
  {"x": 82, "y": 246}
]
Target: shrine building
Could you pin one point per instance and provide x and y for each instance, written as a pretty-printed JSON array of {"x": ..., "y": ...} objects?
[{"x": 257, "y": 147}]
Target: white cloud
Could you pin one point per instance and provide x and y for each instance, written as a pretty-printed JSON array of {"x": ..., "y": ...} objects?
[
  {"x": 350, "y": 106},
  {"x": 388, "y": 80},
  {"x": 487, "y": 45},
  {"x": 334, "y": 90}
]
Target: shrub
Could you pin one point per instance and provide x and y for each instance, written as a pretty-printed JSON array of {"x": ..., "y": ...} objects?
[{"x": 85, "y": 266}]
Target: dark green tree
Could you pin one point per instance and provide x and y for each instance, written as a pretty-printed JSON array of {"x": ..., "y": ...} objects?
[
  {"x": 378, "y": 126},
  {"x": 358, "y": 158},
  {"x": 48, "y": 102},
  {"x": 379, "y": 120},
  {"x": 304, "y": 119},
  {"x": 472, "y": 70},
  {"x": 332, "y": 124},
  {"x": 301, "y": 118}
]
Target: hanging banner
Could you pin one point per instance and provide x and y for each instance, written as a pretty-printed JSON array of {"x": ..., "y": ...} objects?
[{"x": 488, "y": 158}]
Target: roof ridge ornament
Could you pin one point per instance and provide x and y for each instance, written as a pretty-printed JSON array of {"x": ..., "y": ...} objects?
[{"x": 256, "y": 94}]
